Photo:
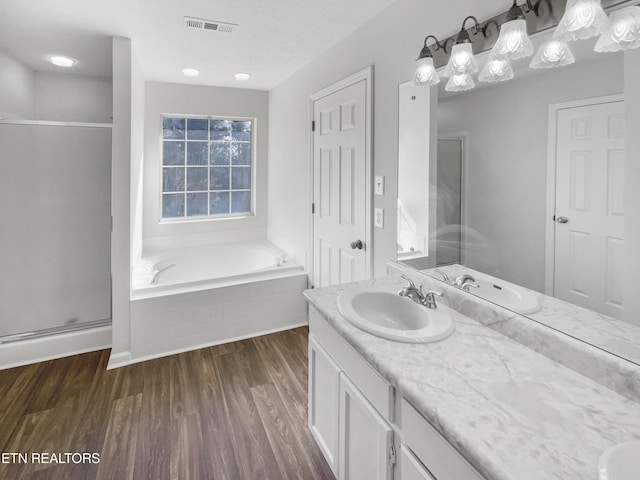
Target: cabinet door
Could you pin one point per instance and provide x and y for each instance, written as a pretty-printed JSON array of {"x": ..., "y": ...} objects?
[
  {"x": 366, "y": 439},
  {"x": 324, "y": 385},
  {"x": 410, "y": 466}
]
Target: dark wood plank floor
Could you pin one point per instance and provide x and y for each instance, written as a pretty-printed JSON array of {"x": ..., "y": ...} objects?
[{"x": 232, "y": 412}]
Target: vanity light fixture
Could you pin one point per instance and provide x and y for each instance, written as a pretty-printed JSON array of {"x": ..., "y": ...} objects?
[
  {"x": 62, "y": 61},
  {"x": 190, "y": 72},
  {"x": 425, "y": 70},
  {"x": 508, "y": 39},
  {"x": 582, "y": 19},
  {"x": 554, "y": 53},
  {"x": 623, "y": 32},
  {"x": 462, "y": 61},
  {"x": 496, "y": 70},
  {"x": 460, "y": 83},
  {"x": 513, "y": 41}
]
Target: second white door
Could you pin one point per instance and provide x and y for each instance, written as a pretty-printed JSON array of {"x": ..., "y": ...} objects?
[
  {"x": 589, "y": 216},
  {"x": 340, "y": 186}
]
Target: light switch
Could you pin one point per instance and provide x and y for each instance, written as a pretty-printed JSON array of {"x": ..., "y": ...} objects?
[
  {"x": 379, "y": 217},
  {"x": 379, "y": 185}
]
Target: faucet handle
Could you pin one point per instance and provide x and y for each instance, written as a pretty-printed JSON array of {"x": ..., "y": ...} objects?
[
  {"x": 466, "y": 286},
  {"x": 430, "y": 300}
]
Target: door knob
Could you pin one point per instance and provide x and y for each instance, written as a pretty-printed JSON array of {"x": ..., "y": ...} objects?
[
  {"x": 357, "y": 245},
  {"x": 562, "y": 219}
]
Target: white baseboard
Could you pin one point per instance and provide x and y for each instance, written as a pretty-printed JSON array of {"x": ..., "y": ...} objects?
[
  {"x": 119, "y": 360},
  {"x": 119, "y": 363},
  {"x": 61, "y": 345}
]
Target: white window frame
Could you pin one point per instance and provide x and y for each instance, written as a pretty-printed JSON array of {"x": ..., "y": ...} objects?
[{"x": 252, "y": 166}]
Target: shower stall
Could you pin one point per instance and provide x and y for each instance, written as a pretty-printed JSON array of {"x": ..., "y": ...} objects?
[{"x": 55, "y": 196}]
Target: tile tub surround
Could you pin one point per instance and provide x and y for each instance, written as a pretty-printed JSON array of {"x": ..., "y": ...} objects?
[
  {"x": 513, "y": 413},
  {"x": 609, "y": 370},
  {"x": 175, "y": 323}
]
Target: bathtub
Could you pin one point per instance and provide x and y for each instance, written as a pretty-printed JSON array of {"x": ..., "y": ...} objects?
[
  {"x": 208, "y": 295},
  {"x": 179, "y": 270}
]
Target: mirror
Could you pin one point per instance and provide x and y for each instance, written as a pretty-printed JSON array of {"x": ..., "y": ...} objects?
[{"x": 486, "y": 194}]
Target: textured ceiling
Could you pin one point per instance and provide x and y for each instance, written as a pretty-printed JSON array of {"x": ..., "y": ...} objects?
[{"x": 275, "y": 37}]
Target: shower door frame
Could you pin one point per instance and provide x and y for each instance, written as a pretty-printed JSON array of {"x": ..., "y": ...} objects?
[{"x": 90, "y": 324}]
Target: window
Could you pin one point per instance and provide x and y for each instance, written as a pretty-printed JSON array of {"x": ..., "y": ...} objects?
[{"x": 206, "y": 167}]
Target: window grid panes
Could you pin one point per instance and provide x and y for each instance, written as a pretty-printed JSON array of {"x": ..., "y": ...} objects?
[{"x": 206, "y": 167}]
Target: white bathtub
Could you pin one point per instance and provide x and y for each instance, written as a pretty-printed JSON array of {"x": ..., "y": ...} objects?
[
  {"x": 188, "y": 269},
  {"x": 212, "y": 295}
]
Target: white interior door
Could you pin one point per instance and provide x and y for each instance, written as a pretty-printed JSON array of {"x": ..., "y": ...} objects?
[
  {"x": 340, "y": 186},
  {"x": 589, "y": 214}
]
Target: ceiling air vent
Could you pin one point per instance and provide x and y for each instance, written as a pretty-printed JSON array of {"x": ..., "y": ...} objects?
[{"x": 212, "y": 25}]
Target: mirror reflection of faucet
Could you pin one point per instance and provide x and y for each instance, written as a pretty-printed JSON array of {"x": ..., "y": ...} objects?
[{"x": 465, "y": 281}]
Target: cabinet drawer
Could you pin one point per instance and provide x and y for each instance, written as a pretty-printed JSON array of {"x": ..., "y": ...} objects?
[
  {"x": 432, "y": 449},
  {"x": 374, "y": 387}
]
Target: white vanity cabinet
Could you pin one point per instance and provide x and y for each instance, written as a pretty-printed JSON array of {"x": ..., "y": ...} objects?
[
  {"x": 324, "y": 390},
  {"x": 349, "y": 407},
  {"x": 366, "y": 439},
  {"x": 363, "y": 426}
]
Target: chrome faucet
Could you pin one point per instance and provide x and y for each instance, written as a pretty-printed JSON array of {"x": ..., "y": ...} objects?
[
  {"x": 445, "y": 277},
  {"x": 415, "y": 294},
  {"x": 465, "y": 281}
]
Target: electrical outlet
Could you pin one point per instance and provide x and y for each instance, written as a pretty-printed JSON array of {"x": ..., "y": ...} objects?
[
  {"x": 379, "y": 217},
  {"x": 379, "y": 185}
]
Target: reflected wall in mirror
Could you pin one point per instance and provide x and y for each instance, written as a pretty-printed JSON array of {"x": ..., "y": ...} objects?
[{"x": 541, "y": 147}]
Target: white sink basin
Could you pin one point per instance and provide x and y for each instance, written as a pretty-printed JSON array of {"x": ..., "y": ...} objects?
[
  {"x": 377, "y": 308},
  {"x": 621, "y": 462},
  {"x": 506, "y": 294}
]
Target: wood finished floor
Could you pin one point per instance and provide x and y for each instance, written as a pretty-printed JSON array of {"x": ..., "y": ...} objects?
[{"x": 236, "y": 412}]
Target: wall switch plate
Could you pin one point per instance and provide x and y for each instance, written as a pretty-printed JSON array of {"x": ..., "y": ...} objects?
[
  {"x": 379, "y": 217},
  {"x": 379, "y": 185}
]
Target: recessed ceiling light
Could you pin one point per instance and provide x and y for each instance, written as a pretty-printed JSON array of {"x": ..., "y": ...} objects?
[
  {"x": 190, "y": 72},
  {"x": 243, "y": 77},
  {"x": 61, "y": 61}
]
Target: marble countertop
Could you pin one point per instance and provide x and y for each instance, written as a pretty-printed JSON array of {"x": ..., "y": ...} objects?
[{"x": 513, "y": 413}]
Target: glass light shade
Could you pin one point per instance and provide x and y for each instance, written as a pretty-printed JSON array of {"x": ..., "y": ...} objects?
[
  {"x": 425, "y": 72},
  {"x": 582, "y": 19},
  {"x": 623, "y": 33},
  {"x": 461, "y": 61},
  {"x": 513, "y": 41},
  {"x": 554, "y": 53},
  {"x": 459, "y": 83},
  {"x": 496, "y": 70}
]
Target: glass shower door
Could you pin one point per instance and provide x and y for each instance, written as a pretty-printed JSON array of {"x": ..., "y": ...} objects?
[{"x": 55, "y": 196}]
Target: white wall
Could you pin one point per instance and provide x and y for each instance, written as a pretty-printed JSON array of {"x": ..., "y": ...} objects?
[
  {"x": 167, "y": 98},
  {"x": 506, "y": 127},
  {"x": 631, "y": 298},
  {"x": 390, "y": 42},
  {"x": 17, "y": 88},
  {"x": 72, "y": 98},
  {"x": 138, "y": 88},
  {"x": 30, "y": 95},
  {"x": 123, "y": 80}
]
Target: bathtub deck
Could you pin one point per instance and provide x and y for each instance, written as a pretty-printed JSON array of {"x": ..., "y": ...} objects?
[{"x": 234, "y": 411}]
